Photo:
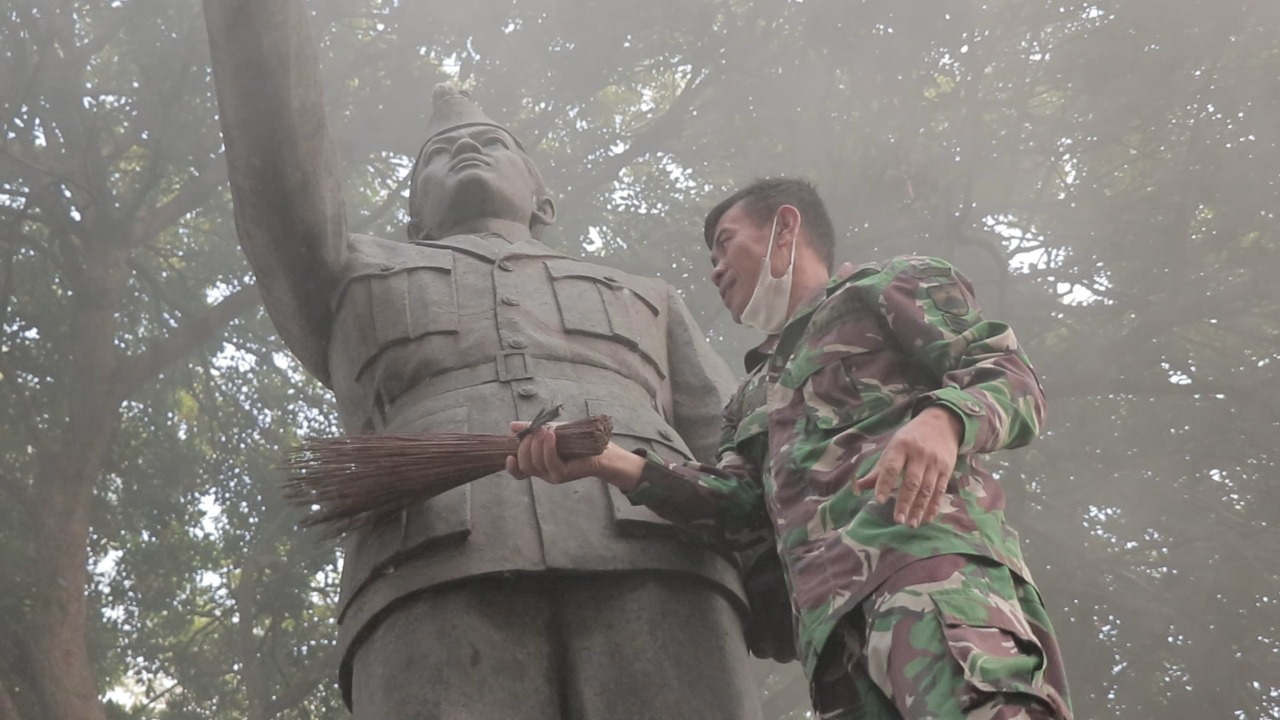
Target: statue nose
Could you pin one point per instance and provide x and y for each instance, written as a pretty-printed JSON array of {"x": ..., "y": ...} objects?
[{"x": 466, "y": 146}]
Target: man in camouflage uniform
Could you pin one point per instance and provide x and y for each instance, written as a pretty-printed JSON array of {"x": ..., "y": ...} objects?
[{"x": 853, "y": 445}]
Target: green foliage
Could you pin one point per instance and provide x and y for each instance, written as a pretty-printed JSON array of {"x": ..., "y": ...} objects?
[{"x": 1106, "y": 174}]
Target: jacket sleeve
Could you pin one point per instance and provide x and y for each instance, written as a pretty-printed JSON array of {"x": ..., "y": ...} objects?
[
  {"x": 983, "y": 374},
  {"x": 724, "y": 504}
]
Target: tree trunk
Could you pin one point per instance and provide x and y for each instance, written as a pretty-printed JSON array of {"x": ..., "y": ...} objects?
[{"x": 62, "y": 671}]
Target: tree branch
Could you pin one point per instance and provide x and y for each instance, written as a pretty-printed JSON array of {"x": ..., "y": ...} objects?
[
  {"x": 388, "y": 205},
  {"x": 6, "y": 272},
  {"x": 189, "y": 71},
  {"x": 649, "y": 137},
  {"x": 15, "y": 153},
  {"x": 189, "y": 198},
  {"x": 27, "y": 411},
  {"x": 74, "y": 124},
  {"x": 135, "y": 371},
  {"x": 120, "y": 18},
  {"x": 243, "y": 592},
  {"x": 162, "y": 298}
]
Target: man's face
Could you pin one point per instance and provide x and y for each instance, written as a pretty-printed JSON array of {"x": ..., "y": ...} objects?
[
  {"x": 475, "y": 172},
  {"x": 738, "y": 248}
]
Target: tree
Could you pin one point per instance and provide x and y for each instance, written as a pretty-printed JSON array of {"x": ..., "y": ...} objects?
[{"x": 115, "y": 277}]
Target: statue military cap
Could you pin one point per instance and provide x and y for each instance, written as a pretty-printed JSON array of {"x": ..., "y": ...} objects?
[{"x": 452, "y": 108}]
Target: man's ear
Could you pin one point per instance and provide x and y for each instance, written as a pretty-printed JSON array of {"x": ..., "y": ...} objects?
[
  {"x": 789, "y": 222},
  {"x": 544, "y": 213}
]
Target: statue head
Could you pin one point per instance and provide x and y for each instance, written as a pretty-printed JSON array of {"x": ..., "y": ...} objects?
[{"x": 472, "y": 169}]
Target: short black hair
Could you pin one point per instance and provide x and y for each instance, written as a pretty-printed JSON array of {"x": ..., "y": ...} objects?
[{"x": 762, "y": 198}]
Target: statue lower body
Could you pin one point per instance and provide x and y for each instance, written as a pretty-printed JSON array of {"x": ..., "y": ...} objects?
[{"x": 598, "y": 646}]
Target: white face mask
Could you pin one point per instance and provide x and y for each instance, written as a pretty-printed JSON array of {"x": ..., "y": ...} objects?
[{"x": 766, "y": 311}]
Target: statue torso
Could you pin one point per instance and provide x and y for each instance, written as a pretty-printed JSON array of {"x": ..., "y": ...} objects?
[
  {"x": 406, "y": 315},
  {"x": 463, "y": 336}
]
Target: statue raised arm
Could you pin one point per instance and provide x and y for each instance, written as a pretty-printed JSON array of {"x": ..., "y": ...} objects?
[
  {"x": 502, "y": 598},
  {"x": 282, "y": 165}
]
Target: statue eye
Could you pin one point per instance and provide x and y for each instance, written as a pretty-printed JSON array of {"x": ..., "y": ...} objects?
[
  {"x": 434, "y": 153},
  {"x": 494, "y": 141}
]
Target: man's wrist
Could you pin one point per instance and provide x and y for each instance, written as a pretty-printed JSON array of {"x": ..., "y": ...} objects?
[
  {"x": 946, "y": 415},
  {"x": 620, "y": 468},
  {"x": 963, "y": 405}
]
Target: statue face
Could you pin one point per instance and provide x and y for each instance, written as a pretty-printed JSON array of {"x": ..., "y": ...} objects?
[{"x": 474, "y": 173}]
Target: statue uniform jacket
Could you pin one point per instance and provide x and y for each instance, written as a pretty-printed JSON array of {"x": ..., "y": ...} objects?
[
  {"x": 853, "y": 365},
  {"x": 469, "y": 333}
]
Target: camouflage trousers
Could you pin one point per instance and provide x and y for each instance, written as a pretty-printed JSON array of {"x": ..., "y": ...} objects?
[{"x": 946, "y": 637}]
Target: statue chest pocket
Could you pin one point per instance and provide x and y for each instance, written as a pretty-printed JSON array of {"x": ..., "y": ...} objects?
[
  {"x": 598, "y": 302},
  {"x": 414, "y": 302},
  {"x": 380, "y": 309}
]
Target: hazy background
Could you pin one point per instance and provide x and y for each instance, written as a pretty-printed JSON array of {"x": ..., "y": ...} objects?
[{"x": 1107, "y": 173}]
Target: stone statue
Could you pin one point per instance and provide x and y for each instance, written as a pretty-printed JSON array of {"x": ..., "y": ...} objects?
[{"x": 504, "y": 598}]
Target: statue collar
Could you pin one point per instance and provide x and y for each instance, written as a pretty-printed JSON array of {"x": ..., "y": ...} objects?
[{"x": 483, "y": 249}]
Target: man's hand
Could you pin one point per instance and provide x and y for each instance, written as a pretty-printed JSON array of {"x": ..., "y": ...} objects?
[
  {"x": 537, "y": 457},
  {"x": 922, "y": 454}
]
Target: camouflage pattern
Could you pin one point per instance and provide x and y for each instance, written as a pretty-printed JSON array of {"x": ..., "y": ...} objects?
[
  {"x": 946, "y": 637},
  {"x": 853, "y": 365}
]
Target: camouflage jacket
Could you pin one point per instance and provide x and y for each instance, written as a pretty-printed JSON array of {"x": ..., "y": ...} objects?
[{"x": 853, "y": 365}]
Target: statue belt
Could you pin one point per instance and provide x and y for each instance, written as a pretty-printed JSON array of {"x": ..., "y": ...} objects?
[{"x": 514, "y": 366}]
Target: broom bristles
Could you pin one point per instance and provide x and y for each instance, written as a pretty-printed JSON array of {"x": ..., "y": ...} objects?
[{"x": 347, "y": 482}]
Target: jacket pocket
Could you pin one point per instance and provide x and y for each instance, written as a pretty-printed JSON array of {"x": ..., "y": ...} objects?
[
  {"x": 993, "y": 644},
  {"x": 843, "y": 392}
]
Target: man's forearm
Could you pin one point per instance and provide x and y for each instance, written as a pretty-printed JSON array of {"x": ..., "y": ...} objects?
[{"x": 723, "y": 506}]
